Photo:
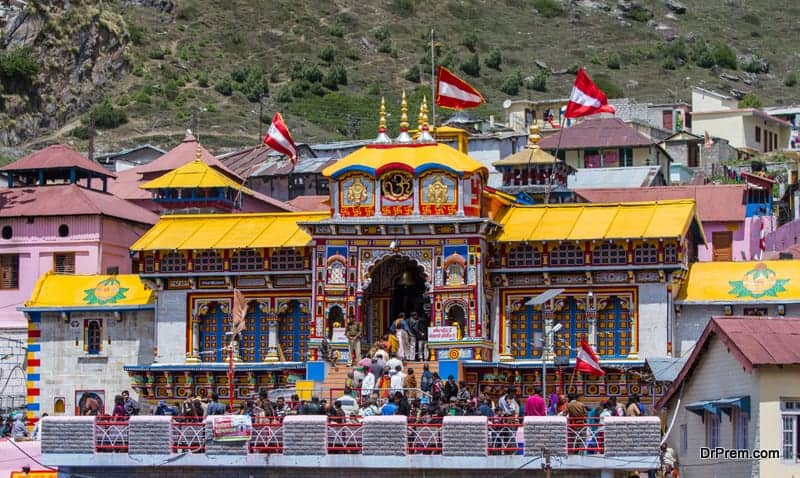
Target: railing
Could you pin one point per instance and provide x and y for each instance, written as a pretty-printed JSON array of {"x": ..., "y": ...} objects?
[
  {"x": 267, "y": 435},
  {"x": 425, "y": 437},
  {"x": 111, "y": 434},
  {"x": 503, "y": 435},
  {"x": 188, "y": 434},
  {"x": 585, "y": 436},
  {"x": 344, "y": 436}
]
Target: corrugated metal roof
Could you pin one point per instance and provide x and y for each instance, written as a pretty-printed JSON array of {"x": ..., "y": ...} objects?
[
  {"x": 725, "y": 202},
  {"x": 57, "y": 156},
  {"x": 574, "y": 222},
  {"x": 228, "y": 231},
  {"x": 182, "y": 154},
  {"x": 196, "y": 174},
  {"x": 665, "y": 369},
  {"x": 626, "y": 177},
  {"x": 596, "y": 133}
]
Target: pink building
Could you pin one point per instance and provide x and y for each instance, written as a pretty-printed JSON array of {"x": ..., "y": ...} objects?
[{"x": 56, "y": 215}]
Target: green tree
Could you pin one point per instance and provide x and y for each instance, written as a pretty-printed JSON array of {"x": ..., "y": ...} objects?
[
  {"x": 471, "y": 65},
  {"x": 511, "y": 84},
  {"x": 327, "y": 54},
  {"x": 470, "y": 41},
  {"x": 412, "y": 74},
  {"x": 724, "y": 56},
  {"x": 538, "y": 81},
  {"x": 18, "y": 67},
  {"x": 494, "y": 59},
  {"x": 791, "y": 79},
  {"x": 108, "y": 117},
  {"x": 750, "y": 100}
]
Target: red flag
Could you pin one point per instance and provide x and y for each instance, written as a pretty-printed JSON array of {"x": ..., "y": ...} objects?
[
  {"x": 455, "y": 93},
  {"x": 238, "y": 311},
  {"x": 279, "y": 139},
  {"x": 587, "y": 360},
  {"x": 586, "y": 98}
]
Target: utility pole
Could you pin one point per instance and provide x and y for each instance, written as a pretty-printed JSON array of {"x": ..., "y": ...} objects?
[
  {"x": 230, "y": 375},
  {"x": 196, "y": 124},
  {"x": 546, "y": 466},
  {"x": 90, "y": 132},
  {"x": 260, "y": 117}
]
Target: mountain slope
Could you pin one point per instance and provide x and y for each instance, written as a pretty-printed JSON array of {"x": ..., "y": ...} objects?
[{"x": 326, "y": 63}]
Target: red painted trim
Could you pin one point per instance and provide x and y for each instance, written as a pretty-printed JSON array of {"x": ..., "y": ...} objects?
[
  {"x": 33, "y": 333},
  {"x": 33, "y": 392},
  {"x": 401, "y": 145},
  {"x": 392, "y": 167},
  {"x": 34, "y": 362}
]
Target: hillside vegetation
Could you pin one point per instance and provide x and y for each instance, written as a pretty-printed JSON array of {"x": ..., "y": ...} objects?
[{"x": 325, "y": 63}]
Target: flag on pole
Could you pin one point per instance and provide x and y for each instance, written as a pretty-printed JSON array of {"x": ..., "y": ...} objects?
[
  {"x": 238, "y": 312},
  {"x": 586, "y": 98},
  {"x": 455, "y": 93},
  {"x": 708, "y": 142},
  {"x": 587, "y": 360},
  {"x": 279, "y": 139}
]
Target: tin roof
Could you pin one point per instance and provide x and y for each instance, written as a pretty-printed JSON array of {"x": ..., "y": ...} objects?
[
  {"x": 752, "y": 341},
  {"x": 625, "y": 177},
  {"x": 596, "y": 133},
  {"x": 58, "y": 156},
  {"x": 576, "y": 222}
]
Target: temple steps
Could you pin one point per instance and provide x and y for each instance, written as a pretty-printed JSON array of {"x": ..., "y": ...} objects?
[{"x": 333, "y": 385}]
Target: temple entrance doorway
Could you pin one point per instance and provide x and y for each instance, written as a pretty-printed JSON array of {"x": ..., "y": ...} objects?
[{"x": 397, "y": 285}]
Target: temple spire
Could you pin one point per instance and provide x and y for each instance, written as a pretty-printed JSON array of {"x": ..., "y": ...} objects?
[
  {"x": 404, "y": 137},
  {"x": 382, "y": 138},
  {"x": 424, "y": 133}
]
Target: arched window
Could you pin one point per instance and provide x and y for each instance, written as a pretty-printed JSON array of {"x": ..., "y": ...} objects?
[
  {"x": 671, "y": 253},
  {"x": 336, "y": 273},
  {"x": 286, "y": 260},
  {"x": 173, "y": 262},
  {"x": 645, "y": 254},
  {"x": 614, "y": 335},
  {"x": 247, "y": 260},
  {"x": 524, "y": 255},
  {"x": 208, "y": 261},
  {"x": 63, "y": 230},
  {"x": 93, "y": 337},
  {"x": 59, "y": 407},
  {"x": 609, "y": 253},
  {"x": 454, "y": 274},
  {"x": 566, "y": 254},
  {"x": 7, "y": 232}
]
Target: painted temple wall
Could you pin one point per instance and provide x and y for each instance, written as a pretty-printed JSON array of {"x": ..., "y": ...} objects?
[
  {"x": 692, "y": 319},
  {"x": 652, "y": 332},
  {"x": 66, "y": 367},
  {"x": 171, "y": 317}
]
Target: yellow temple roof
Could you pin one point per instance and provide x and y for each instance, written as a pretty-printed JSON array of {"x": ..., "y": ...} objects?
[
  {"x": 195, "y": 174},
  {"x": 575, "y": 222},
  {"x": 412, "y": 157},
  {"x": 65, "y": 291},
  {"x": 746, "y": 281},
  {"x": 227, "y": 231},
  {"x": 530, "y": 154}
]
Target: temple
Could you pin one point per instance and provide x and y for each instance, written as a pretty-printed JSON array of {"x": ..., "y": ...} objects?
[{"x": 412, "y": 227}]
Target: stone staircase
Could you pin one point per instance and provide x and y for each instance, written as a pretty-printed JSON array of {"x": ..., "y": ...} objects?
[{"x": 333, "y": 386}]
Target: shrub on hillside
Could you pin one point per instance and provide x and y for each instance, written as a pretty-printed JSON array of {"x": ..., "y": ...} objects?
[
  {"x": 471, "y": 65},
  {"x": 538, "y": 81},
  {"x": 548, "y": 8},
  {"x": 412, "y": 74},
  {"x": 224, "y": 87},
  {"x": 404, "y": 7},
  {"x": 202, "y": 79},
  {"x": 135, "y": 33},
  {"x": 494, "y": 59},
  {"x": 108, "y": 117},
  {"x": 312, "y": 74},
  {"x": 470, "y": 41},
  {"x": 327, "y": 54},
  {"x": 382, "y": 33},
  {"x": 750, "y": 100},
  {"x": 724, "y": 56},
  {"x": 336, "y": 29},
  {"x": 791, "y": 79},
  {"x": 607, "y": 85},
  {"x": 613, "y": 61},
  {"x": 511, "y": 84},
  {"x": 18, "y": 67}
]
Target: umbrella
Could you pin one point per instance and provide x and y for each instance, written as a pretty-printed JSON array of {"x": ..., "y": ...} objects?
[{"x": 365, "y": 362}]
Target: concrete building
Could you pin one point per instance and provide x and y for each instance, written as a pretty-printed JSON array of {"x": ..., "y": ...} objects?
[
  {"x": 522, "y": 114},
  {"x": 768, "y": 288},
  {"x": 738, "y": 391},
  {"x": 790, "y": 114},
  {"x": 747, "y": 129},
  {"x": 55, "y": 215},
  {"x": 129, "y": 158}
]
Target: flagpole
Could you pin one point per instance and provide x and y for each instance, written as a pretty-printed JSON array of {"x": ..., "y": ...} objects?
[
  {"x": 433, "y": 80},
  {"x": 551, "y": 179}
]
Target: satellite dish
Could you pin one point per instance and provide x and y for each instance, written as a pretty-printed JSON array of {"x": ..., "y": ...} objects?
[{"x": 507, "y": 104}]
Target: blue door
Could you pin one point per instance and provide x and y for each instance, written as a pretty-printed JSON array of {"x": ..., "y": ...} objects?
[
  {"x": 213, "y": 325},
  {"x": 526, "y": 333},
  {"x": 293, "y": 330}
]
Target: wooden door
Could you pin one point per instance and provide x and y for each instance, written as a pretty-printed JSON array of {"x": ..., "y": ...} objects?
[{"x": 722, "y": 243}]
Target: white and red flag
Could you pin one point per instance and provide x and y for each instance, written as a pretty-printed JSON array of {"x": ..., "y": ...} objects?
[
  {"x": 587, "y": 360},
  {"x": 238, "y": 312},
  {"x": 455, "y": 93},
  {"x": 586, "y": 98},
  {"x": 279, "y": 139}
]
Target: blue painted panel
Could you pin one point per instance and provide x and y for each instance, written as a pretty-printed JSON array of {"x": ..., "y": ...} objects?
[
  {"x": 315, "y": 371},
  {"x": 447, "y": 368},
  {"x": 34, "y": 347},
  {"x": 33, "y": 377},
  {"x": 34, "y": 407}
]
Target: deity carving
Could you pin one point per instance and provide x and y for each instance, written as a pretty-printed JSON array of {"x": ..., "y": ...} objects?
[
  {"x": 357, "y": 192},
  {"x": 437, "y": 191}
]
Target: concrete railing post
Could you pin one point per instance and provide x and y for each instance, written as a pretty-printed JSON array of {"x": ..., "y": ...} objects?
[
  {"x": 380, "y": 434},
  {"x": 632, "y": 436},
  {"x": 68, "y": 435},
  {"x": 465, "y": 436},
  {"x": 149, "y": 435},
  {"x": 545, "y": 432},
  {"x": 305, "y": 435}
]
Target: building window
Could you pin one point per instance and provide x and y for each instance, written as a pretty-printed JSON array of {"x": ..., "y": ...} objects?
[
  {"x": 758, "y": 134},
  {"x": 208, "y": 261},
  {"x": 524, "y": 255},
  {"x": 566, "y": 255},
  {"x": 684, "y": 439},
  {"x": 609, "y": 253},
  {"x": 9, "y": 271},
  {"x": 712, "y": 430},
  {"x": 149, "y": 263},
  {"x": 614, "y": 335},
  {"x": 112, "y": 270},
  {"x": 671, "y": 254},
  {"x": 645, "y": 254},
  {"x": 63, "y": 230},
  {"x": 572, "y": 316},
  {"x": 336, "y": 273},
  {"x": 7, "y": 232},
  {"x": 64, "y": 263},
  {"x": 626, "y": 157},
  {"x": 173, "y": 262},
  {"x": 92, "y": 341},
  {"x": 741, "y": 423},
  {"x": 526, "y": 332},
  {"x": 286, "y": 260},
  {"x": 247, "y": 260},
  {"x": 790, "y": 442}
]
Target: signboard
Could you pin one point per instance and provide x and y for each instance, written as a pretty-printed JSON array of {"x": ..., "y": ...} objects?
[
  {"x": 338, "y": 335},
  {"x": 442, "y": 334},
  {"x": 35, "y": 474},
  {"x": 232, "y": 427},
  {"x": 213, "y": 283}
]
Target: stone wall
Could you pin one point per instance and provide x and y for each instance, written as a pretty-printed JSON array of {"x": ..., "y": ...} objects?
[
  {"x": 652, "y": 319},
  {"x": 305, "y": 435},
  {"x": 464, "y": 436},
  {"x": 171, "y": 320},
  {"x": 632, "y": 436},
  {"x": 12, "y": 368},
  {"x": 68, "y": 435},
  {"x": 549, "y": 433},
  {"x": 149, "y": 435},
  {"x": 379, "y": 435}
]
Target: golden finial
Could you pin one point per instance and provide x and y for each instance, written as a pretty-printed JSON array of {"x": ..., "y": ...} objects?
[
  {"x": 403, "y": 113},
  {"x": 424, "y": 134},
  {"x": 199, "y": 154},
  {"x": 533, "y": 138},
  {"x": 425, "y": 111},
  {"x": 421, "y": 117},
  {"x": 382, "y": 121}
]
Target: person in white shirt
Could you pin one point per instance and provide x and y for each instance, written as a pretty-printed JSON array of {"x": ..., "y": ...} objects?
[
  {"x": 367, "y": 386},
  {"x": 396, "y": 383},
  {"x": 36, "y": 434}
]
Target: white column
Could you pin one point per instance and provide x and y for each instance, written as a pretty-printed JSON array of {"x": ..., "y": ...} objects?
[
  {"x": 377, "y": 197},
  {"x": 506, "y": 355},
  {"x": 460, "y": 183},
  {"x": 272, "y": 339},
  {"x": 334, "y": 187}
]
